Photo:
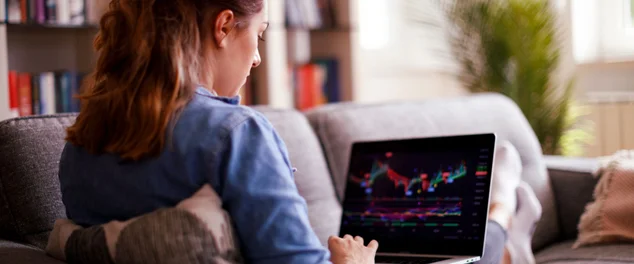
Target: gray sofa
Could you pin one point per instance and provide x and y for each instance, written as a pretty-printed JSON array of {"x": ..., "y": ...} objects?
[{"x": 319, "y": 142}]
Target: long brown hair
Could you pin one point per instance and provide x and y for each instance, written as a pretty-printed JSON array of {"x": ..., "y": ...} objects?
[{"x": 152, "y": 55}]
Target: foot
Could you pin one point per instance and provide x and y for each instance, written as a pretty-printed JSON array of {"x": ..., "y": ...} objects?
[
  {"x": 520, "y": 233},
  {"x": 507, "y": 172}
]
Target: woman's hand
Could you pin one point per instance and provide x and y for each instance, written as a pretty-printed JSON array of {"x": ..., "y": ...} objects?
[{"x": 348, "y": 250}]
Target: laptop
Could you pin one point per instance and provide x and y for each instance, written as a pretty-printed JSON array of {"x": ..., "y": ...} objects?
[{"x": 425, "y": 200}]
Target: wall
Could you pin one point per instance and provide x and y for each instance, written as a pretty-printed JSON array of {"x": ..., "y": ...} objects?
[
  {"x": 396, "y": 59},
  {"x": 616, "y": 76},
  {"x": 592, "y": 64}
]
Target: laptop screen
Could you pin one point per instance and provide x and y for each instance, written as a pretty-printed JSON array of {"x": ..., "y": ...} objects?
[{"x": 420, "y": 196}]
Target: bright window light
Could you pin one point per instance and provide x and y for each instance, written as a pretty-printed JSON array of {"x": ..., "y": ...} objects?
[{"x": 373, "y": 23}]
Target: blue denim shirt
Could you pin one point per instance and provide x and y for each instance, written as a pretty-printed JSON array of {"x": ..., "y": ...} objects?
[{"x": 215, "y": 141}]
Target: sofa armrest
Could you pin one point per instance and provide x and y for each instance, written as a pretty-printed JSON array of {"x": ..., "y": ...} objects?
[
  {"x": 17, "y": 253},
  {"x": 573, "y": 186}
]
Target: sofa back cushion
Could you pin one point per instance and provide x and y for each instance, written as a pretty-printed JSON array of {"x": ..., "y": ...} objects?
[
  {"x": 338, "y": 126},
  {"x": 312, "y": 176},
  {"x": 30, "y": 198}
]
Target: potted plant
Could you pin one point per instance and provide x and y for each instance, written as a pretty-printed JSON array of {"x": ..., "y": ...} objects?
[{"x": 511, "y": 47}]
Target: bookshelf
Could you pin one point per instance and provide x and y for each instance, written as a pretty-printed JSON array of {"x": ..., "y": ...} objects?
[
  {"x": 28, "y": 46},
  {"x": 293, "y": 44},
  {"x": 45, "y": 38}
]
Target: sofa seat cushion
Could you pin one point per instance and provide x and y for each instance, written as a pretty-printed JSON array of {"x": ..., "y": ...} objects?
[
  {"x": 16, "y": 253},
  {"x": 563, "y": 253}
]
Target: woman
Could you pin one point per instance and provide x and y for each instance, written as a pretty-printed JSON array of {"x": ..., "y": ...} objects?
[{"x": 160, "y": 118}]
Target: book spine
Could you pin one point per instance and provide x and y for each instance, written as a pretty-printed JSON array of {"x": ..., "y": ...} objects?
[
  {"x": 14, "y": 97},
  {"x": 65, "y": 91},
  {"x": 40, "y": 10},
  {"x": 24, "y": 11},
  {"x": 35, "y": 94},
  {"x": 24, "y": 91},
  {"x": 59, "y": 105},
  {"x": 47, "y": 89},
  {"x": 63, "y": 11},
  {"x": 77, "y": 15},
  {"x": 51, "y": 11},
  {"x": 32, "y": 11},
  {"x": 13, "y": 11},
  {"x": 71, "y": 82}
]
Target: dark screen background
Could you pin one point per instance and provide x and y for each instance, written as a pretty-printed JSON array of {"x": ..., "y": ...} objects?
[{"x": 427, "y": 196}]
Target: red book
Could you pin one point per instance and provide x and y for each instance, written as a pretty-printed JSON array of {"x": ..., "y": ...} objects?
[
  {"x": 24, "y": 11},
  {"x": 24, "y": 93},
  {"x": 305, "y": 85},
  {"x": 14, "y": 101}
]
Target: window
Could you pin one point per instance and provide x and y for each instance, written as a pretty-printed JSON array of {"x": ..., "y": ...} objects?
[
  {"x": 630, "y": 12},
  {"x": 602, "y": 31},
  {"x": 374, "y": 25}
]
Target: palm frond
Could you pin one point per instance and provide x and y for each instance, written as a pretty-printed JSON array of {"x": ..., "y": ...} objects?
[{"x": 511, "y": 47}]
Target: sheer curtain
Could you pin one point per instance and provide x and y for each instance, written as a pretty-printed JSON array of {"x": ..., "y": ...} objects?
[{"x": 602, "y": 30}]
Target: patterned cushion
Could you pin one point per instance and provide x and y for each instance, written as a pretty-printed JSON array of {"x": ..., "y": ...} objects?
[
  {"x": 609, "y": 217},
  {"x": 197, "y": 230}
]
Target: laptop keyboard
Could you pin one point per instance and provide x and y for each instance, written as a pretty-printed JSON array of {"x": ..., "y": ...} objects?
[{"x": 406, "y": 260}]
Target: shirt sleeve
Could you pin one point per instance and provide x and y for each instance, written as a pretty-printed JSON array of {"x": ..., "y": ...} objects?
[{"x": 259, "y": 192}]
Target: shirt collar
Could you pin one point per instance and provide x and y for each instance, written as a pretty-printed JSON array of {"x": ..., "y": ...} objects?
[{"x": 235, "y": 100}]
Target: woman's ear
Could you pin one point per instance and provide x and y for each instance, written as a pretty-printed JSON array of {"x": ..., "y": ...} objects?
[{"x": 225, "y": 22}]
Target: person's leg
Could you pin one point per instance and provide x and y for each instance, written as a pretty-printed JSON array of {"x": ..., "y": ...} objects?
[
  {"x": 507, "y": 170},
  {"x": 520, "y": 233},
  {"x": 494, "y": 248},
  {"x": 513, "y": 212}
]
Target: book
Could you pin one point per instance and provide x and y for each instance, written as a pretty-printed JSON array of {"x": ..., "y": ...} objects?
[
  {"x": 62, "y": 15},
  {"x": 14, "y": 97},
  {"x": 14, "y": 11},
  {"x": 47, "y": 93},
  {"x": 77, "y": 12},
  {"x": 35, "y": 94},
  {"x": 44, "y": 93},
  {"x": 24, "y": 94},
  {"x": 51, "y": 11},
  {"x": 316, "y": 83}
]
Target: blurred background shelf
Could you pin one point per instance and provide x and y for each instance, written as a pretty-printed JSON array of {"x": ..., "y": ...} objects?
[
  {"x": 299, "y": 70},
  {"x": 29, "y": 26}
]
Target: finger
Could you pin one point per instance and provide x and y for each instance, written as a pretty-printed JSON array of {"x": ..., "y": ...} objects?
[
  {"x": 359, "y": 239},
  {"x": 333, "y": 240},
  {"x": 374, "y": 245},
  {"x": 348, "y": 237}
]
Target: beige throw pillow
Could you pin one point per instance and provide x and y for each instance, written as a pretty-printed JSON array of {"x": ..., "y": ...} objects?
[
  {"x": 196, "y": 231},
  {"x": 610, "y": 217}
]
